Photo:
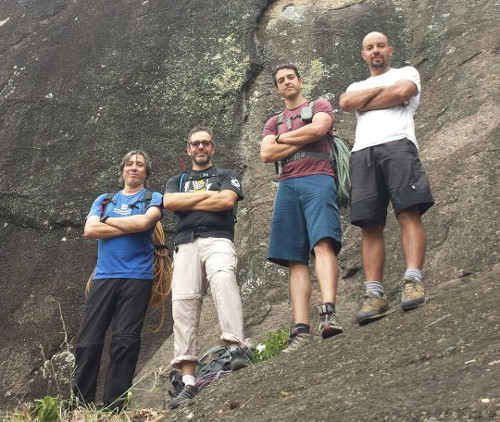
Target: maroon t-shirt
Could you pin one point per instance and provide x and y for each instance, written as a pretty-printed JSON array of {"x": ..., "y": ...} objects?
[{"x": 304, "y": 166}]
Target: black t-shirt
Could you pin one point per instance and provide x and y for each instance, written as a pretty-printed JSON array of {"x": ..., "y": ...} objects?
[{"x": 193, "y": 224}]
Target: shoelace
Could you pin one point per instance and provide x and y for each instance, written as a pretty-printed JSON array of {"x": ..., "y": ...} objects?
[{"x": 410, "y": 286}]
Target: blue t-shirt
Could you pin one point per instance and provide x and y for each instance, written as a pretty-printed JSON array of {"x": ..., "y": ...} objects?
[{"x": 130, "y": 255}]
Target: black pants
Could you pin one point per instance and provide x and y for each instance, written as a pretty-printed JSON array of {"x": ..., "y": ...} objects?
[{"x": 122, "y": 302}]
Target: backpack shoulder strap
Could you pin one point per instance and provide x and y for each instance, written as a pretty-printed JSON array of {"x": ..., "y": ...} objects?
[
  {"x": 188, "y": 176},
  {"x": 279, "y": 120},
  {"x": 148, "y": 195},
  {"x": 110, "y": 198},
  {"x": 182, "y": 179}
]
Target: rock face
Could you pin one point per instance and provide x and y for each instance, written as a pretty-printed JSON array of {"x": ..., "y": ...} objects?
[{"x": 83, "y": 82}]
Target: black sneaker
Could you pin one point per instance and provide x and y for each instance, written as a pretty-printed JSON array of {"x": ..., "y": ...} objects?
[
  {"x": 239, "y": 359},
  {"x": 184, "y": 396},
  {"x": 175, "y": 378}
]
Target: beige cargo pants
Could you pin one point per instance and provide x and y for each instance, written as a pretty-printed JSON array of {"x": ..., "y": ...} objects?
[{"x": 206, "y": 261}]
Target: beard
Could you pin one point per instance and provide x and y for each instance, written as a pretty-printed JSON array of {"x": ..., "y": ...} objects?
[
  {"x": 202, "y": 161},
  {"x": 379, "y": 65}
]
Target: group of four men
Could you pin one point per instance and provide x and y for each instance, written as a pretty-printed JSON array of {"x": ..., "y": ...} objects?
[{"x": 385, "y": 167}]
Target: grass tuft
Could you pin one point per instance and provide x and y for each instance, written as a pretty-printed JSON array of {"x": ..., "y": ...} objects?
[
  {"x": 272, "y": 345},
  {"x": 48, "y": 409}
]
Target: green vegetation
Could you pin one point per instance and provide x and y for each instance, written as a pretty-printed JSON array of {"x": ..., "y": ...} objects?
[
  {"x": 48, "y": 409},
  {"x": 272, "y": 345},
  {"x": 53, "y": 409}
]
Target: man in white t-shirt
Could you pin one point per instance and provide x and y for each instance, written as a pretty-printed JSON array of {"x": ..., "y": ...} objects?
[{"x": 385, "y": 167}]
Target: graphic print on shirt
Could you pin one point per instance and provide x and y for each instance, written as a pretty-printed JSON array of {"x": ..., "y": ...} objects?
[
  {"x": 197, "y": 185},
  {"x": 123, "y": 210},
  {"x": 236, "y": 183}
]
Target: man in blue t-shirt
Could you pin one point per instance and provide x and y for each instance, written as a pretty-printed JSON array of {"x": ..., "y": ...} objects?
[{"x": 121, "y": 286}]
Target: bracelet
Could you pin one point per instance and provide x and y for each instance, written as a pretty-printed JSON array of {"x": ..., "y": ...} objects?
[
  {"x": 277, "y": 139},
  {"x": 103, "y": 219}
]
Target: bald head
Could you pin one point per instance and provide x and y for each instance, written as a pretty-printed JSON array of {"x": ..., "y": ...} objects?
[
  {"x": 374, "y": 37},
  {"x": 377, "y": 52}
]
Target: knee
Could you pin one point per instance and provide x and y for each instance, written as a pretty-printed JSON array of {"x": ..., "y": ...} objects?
[
  {"x": 125, "y": 340},
  {"x": 124, "y": 347},
  {"x": 222, "y": 276},
  {"x": 324, "y": 246},
  {"x": 372, "y": 229},
  {"x": 410, "y": 217},
  {"x": 184, "y": 310}
]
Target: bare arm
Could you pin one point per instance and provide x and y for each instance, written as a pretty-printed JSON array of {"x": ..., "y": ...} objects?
[
  {"x": 221, "y": 201},
  {"x": 393, "y": 95},
  {"x": 355, "y": 100},
  {"x": 317, "y": 129},
  {"x": 94, "y": 229},
  {"x": 291, "y": 142},
  {"x": 378, "y": 98},
  {"x": 136, "y": 223},
  {"x": 184, "y": 201},
  {"x": 209, "y": 200},
  {"x": 270, "y": 151}
]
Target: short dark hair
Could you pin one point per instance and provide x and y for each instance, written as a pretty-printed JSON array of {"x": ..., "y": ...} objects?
[
  {"x": 200, "y": 129},
  {"x": 125, "y": 160},
  {"x": 284, "y": 66}
]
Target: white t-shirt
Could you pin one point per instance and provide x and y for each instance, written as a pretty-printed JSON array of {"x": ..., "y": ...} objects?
[{"x": 376, "y": 127}]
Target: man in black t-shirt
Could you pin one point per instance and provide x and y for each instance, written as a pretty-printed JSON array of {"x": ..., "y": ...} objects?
[{"x": 203, "y": 200}]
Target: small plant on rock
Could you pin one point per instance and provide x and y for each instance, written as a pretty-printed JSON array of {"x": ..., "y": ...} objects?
[
  {"x": 48, "y": 409},
  {"x": 272, "y": 345}
]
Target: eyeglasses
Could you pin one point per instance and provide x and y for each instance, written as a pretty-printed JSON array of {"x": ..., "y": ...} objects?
[{"x": 196, "y": 144}]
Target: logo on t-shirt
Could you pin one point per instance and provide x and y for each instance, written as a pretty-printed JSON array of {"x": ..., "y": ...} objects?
[
  {"x": 123, "y": 210},
  {"x": 200, "y": 184},
  {"x": 235, "y": 182}
]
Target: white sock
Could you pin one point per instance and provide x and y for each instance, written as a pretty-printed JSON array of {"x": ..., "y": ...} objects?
[
  {"x": 375, "y": 287},
  {"x": 413, "y": 272},
  {"x": 189, "y": 380}
]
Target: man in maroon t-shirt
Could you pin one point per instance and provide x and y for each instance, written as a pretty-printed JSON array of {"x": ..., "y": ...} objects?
[{"x": 306, "y": 218}]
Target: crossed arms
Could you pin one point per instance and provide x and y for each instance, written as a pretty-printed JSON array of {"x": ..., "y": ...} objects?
[
  {"x": 291, "y": 142},
  {"x": 207, "y": 200},
  {"x": 118, "y": 226},
  {"x": 378, "y": 98}
]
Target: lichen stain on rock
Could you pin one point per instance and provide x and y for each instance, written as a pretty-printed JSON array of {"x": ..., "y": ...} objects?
[{"x": 233, "y": 64}]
